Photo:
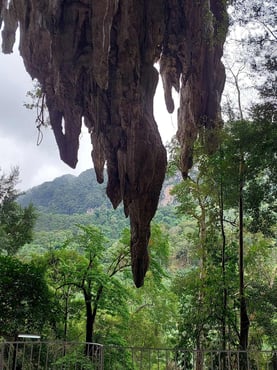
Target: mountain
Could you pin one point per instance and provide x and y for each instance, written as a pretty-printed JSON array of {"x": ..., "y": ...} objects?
[
  {"x": 68, "y": 194},
  {"x": 69, "y": 201},
  {"x": 81, "y": 194}
]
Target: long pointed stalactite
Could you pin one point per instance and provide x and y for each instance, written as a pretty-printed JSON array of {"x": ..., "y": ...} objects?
[{"x": 95, "y": 63}]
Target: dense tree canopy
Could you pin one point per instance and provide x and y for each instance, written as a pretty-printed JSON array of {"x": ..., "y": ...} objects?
[
  {"x": 25, "y": 300},
  {"x": 16, "y": 222}
]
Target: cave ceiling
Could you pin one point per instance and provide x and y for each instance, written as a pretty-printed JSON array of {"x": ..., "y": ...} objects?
[{"x": 95, "y": 63}]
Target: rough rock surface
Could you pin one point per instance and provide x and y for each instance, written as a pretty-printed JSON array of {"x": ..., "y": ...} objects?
[{"x": 94, "y": 61}]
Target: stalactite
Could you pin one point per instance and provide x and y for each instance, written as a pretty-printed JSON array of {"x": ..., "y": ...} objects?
[{"x": 94, "y": 61}]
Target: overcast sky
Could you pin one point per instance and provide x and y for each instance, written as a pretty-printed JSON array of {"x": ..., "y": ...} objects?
[{"x": 18, "y": 133}]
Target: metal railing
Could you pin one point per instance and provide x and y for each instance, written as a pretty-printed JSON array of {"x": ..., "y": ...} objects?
[
  {"x": 83, "y": 356},
  {"x": 38, "y": 355},
  {"x": 170, "y": 359}
]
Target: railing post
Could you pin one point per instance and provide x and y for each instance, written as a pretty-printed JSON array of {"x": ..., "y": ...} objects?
[{"x": 2, "y": 349}]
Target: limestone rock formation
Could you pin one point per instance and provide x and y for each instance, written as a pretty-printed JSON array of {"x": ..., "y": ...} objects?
[{"x": 95, "y": 63}]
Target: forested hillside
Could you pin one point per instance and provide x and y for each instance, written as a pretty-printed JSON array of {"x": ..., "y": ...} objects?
[
  {"x": 69, "y": 200},
  {"x": 81, "y": 194},
  {"x": 68, "y": 194}
]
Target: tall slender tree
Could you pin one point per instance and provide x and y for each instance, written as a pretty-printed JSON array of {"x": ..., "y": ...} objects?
[{"x": 16, "y": 222}]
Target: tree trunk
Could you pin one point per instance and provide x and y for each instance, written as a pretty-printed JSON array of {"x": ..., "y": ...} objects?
[
  {"x": 244, "y": 320},
  {"x": 66, "y": 313},
  {"x": 89, "y": 317},
  {"x": 199, "y": 354},
  {"x": 223, "y": 271},
  {"x": 201, "y": 294},
  {"x": 96, "y": 302}
]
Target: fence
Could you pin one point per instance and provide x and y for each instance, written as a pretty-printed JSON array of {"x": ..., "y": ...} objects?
[
  {"x": 83, "y": 356},
  {"x": 50, "y": 355},
  {"x": 169, "y": 359}
]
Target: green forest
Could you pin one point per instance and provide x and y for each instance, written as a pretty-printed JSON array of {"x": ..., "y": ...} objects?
[{"x": 212, "y": 280}]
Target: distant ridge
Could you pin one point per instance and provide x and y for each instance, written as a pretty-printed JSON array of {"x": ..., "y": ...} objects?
[{"x": 69, "y": 194}]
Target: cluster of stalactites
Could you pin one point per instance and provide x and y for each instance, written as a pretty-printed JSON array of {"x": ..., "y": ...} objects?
[
  {"x": 191, "y": 63},
  {"x": 94, "y": 61}
]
